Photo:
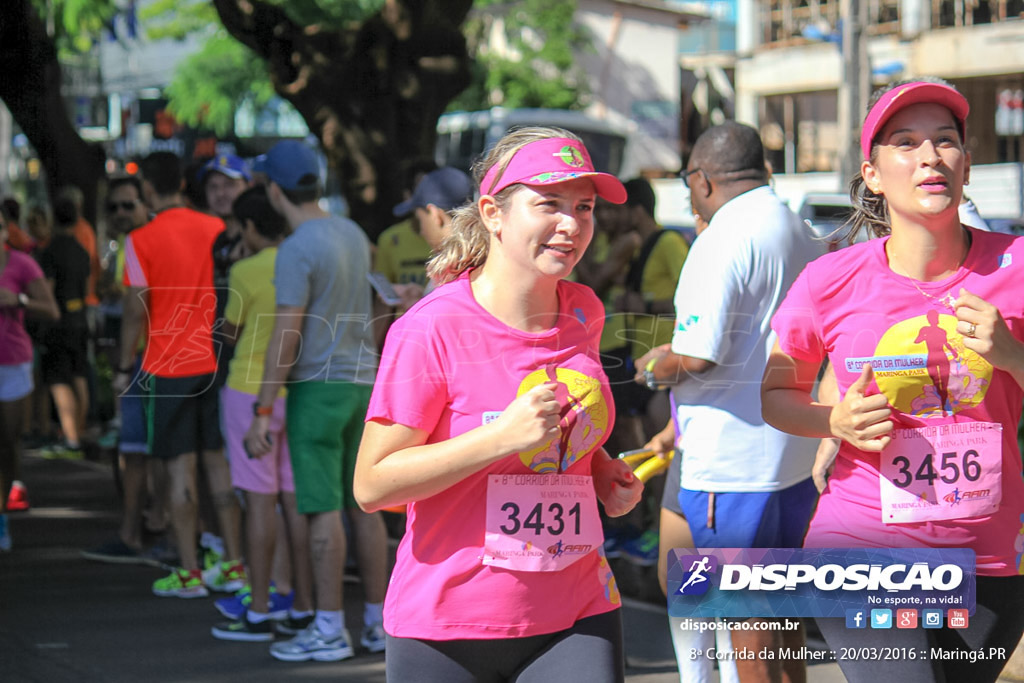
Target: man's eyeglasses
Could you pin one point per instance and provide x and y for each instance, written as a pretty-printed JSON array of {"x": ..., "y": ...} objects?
[
  {"x": 112, "y": 207},
  {"x": 685, "y": 176}
]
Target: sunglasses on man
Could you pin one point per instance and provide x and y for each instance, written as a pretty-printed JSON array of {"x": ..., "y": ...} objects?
[{"x": 112, "y": 207}]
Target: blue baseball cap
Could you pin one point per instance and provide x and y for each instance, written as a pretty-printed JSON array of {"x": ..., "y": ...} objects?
[
  {"x": 288, "y": 163},
  {"x": 232, "y": 166},
  {"x": 446, "y": 188}
]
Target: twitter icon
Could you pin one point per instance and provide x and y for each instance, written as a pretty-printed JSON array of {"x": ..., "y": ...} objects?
[{"x": 881, "y": 618}]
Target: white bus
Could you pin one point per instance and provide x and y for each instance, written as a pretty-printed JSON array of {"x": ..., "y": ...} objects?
[{"x": 463, "y": 137}]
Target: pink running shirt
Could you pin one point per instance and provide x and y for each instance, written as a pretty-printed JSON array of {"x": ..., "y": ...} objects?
[
  {"x": 850, "y": 306},
  {"x": 448, "y": 367},
  {"x": 15, "y": 344}
]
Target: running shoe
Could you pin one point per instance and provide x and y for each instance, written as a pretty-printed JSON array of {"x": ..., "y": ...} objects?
[
  {"x": 161, "y": 554},
  {"x": 225, "y": 577},
  {"x": 108, "y": 441},
  {"x": 290, "y": 626},
  {"x": 310, "y": 643},
  {"x": 114, "y": 552},
  {"x": 211, "y": 547},
  {"x": 236, "y": 606},
  {"x": 17, "y": 499},
  {"x": 181, "y": 583},
  {"x": 615, "y": 537},
  {"x": 211, "y": 558},
  {"x": 63, "y": 451},
  {"x": 5, "y": 534},
  {"x": 244, "y": 630},
  {"x": 373, "y": 638},
  {"x": 642, "y": 551}
]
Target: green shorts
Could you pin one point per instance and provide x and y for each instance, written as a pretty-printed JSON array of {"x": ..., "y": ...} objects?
[{"x": 325, "y": 425}]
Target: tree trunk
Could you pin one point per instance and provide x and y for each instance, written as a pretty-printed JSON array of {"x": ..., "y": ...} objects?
[
  {"x": 371, "y": 93},
  {"x": 31, "y": 89}
]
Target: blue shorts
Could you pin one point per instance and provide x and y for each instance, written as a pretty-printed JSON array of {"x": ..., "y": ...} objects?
[
  {"x": 15, "y": 381},
  {"x": 775, "y": 519},
  {"x": 134, "y": 436}
]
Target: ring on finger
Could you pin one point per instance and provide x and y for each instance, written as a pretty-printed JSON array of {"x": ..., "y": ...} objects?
[{"x": 971, "y": 329}]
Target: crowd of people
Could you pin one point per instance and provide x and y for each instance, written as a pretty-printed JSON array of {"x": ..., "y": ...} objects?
[{"x": 532, "y": 322}]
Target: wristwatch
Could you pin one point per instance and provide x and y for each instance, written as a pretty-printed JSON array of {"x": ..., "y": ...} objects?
[
  {"x": 23, "y": 300},
  {"x": 262, "y": 411}
]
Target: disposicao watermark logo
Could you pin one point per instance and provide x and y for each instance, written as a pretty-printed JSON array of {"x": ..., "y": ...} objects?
[
  {"x": 697, "y": 579},
  {"x": 822, "y": 582}
]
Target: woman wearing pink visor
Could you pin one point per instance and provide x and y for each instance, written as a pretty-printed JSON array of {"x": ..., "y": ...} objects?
[
  {"x": 924, "y": 328},
  {"x": 487, "y": 419}
]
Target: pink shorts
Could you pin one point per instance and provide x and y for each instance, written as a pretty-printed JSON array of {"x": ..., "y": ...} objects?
[{"x": 273, "y": 472}]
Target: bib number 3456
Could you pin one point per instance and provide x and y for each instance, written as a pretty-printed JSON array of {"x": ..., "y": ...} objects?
[{"x": 942, "y": 472}]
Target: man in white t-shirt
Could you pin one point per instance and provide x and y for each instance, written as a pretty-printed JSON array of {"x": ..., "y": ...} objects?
[{"x": 743, "y": 483}]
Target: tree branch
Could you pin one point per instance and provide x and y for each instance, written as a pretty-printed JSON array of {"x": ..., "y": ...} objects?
[
  {"x": 31, "y": 89},
  {"x": 371, "y": 93}
]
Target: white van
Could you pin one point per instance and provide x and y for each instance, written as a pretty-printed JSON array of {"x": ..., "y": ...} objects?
[{"x": 463, "y": 137}]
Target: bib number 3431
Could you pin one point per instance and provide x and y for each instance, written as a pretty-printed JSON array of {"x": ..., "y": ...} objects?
[
  {"x": 942, "y": 472},
  {"x": 540, "y": 522}
]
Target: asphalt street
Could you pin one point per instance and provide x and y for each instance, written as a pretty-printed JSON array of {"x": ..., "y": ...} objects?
[{"x": 66, "y": 619}]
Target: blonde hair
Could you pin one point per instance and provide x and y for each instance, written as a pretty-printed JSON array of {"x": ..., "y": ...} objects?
[{"x": 468, "y": 242}]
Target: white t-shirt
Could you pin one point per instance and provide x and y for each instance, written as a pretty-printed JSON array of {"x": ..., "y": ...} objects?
[
  {"x": 969, "y": 216},
  {"x": 738, "y": 272}
]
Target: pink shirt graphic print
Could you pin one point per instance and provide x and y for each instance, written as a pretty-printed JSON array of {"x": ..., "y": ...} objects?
[
  {"x": 851, "y": 307},
  {"x": 447, "y": 367}
]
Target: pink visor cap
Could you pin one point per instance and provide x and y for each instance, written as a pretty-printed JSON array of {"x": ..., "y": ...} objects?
[
  {"x": 901, "y": 97},
  {"x": 551, "y": 161}
]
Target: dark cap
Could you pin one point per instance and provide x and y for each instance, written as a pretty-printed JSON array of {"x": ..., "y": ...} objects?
[
  {"x": 288, "y": 163},
  {"x": 446, "y": 188}
]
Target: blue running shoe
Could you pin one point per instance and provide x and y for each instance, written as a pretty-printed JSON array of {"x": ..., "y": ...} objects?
[
  {"x": 234, "y": 608},
  {"x": 5, "y": 534},
  {"x": 642, "y": 551}
]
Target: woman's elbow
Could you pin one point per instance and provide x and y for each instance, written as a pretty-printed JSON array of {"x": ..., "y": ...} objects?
[
  {"x": 768, "y": 412},
  {"x": 364, "y": 495}
]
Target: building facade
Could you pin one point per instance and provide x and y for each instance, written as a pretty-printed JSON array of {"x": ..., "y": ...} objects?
[{"x": 789, "y": 63}]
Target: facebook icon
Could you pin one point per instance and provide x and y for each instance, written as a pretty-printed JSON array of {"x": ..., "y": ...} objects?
[{"x": 856, "y": 618}]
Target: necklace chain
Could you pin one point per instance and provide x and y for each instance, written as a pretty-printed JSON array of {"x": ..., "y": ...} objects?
[{"x": 948, "y": 301}]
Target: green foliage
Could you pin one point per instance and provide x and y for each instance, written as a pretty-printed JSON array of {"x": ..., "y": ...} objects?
[
  {"x": 210, "y": 85},
  {"x": 177, "y": 18},
  {"x": 75, "y": 24},
  {"x": 538, "y": 68}
]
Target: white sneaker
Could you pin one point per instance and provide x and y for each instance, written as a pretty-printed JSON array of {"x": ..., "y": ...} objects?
[
  {"x": 374, "y": 639},
  {"x": 310, "y": 643}
]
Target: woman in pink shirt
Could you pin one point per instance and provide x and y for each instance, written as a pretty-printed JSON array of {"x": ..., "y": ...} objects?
[
  {"x": 487, "y": 418},
  {"x": 23, "y": 289},
  {"x": 924, "y": 329}
]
